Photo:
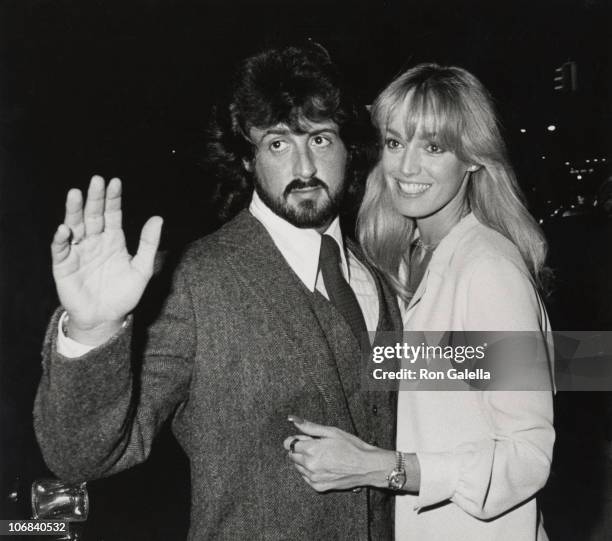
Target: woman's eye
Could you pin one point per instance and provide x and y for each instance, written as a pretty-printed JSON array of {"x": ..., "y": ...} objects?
[
  {"x": 392, "y": 144},
  {"x": 278, "y": 145},
  {"x": 433, "y": 148},
  {"x": 320, "y": 141}
]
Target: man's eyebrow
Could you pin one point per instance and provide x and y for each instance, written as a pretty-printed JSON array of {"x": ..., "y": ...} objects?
[
  {"x": 275, "y": 131},
  {"x": 329, "y": 129},
  {"x": 286, "y": 131}
]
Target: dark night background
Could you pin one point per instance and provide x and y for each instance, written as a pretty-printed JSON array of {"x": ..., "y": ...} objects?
[{"x": 125, "y": 89}]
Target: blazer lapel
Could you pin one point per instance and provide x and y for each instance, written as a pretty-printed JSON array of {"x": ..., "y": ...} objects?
[
  {"x": 347, "y": 356},
  {"x": 263, "y": 270}
]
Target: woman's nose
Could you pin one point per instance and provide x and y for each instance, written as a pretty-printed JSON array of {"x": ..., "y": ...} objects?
[{"x": 410, "y": 163}]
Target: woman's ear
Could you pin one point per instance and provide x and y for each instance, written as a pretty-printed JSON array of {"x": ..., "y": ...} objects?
[
  {"x": 473, "y": 168},
  {"x": 247, "y": 164}
]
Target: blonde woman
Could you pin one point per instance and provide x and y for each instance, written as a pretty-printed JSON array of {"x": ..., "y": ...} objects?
[{"x": 444, "y": 221}]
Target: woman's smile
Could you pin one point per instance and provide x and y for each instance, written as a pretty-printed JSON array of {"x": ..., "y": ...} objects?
[{"x": 412, "y": 189}]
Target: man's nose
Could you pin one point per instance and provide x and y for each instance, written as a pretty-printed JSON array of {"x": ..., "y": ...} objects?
[
  {"x": 411, "y": 163},
  {"x": 304, "y": 166}
]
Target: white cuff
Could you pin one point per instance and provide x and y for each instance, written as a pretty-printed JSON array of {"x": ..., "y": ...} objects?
[
  {"x": 67, "y": 346},
  {"x": 439, "y": 477}
]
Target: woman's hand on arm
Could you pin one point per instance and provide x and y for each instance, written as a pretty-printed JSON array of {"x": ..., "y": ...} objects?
[{"x": 330, "y": 459}]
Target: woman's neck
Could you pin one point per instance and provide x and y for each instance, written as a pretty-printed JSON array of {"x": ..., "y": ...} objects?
[{"x": 432, "y": 229}]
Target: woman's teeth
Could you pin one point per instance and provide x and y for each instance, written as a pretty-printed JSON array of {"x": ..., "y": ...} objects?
[{"x": 412, "y": 188}]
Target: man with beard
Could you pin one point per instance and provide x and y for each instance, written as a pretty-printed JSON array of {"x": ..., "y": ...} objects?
[{"x": 263, "y": 321}]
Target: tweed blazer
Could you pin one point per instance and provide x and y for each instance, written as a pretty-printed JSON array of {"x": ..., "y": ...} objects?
[{"x": 240, "y": 343}]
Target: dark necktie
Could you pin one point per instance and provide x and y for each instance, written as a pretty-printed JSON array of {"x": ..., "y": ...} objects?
[{"x": 340, "y": 293}]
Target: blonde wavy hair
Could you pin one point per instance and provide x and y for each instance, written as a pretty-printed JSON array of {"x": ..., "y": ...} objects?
[{"x": 453, "y": 104}]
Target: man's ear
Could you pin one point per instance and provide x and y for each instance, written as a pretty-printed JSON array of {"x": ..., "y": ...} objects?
[{"x": 248, "y": 165}]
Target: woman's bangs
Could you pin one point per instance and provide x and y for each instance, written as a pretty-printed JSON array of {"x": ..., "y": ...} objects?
[
  {"x": 436, "y": 117},
  {"x": 416, "y": 113},
  {"x": 429, "y": 111}
]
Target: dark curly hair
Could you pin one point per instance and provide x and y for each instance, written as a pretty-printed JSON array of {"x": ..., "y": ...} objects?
[{"x": 284, "y": 85}]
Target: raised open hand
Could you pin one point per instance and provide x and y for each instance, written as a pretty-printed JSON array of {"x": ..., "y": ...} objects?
[{"x": 97, "y": 280}]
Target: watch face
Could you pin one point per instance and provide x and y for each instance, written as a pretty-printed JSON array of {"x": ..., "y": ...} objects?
[{"x": 397, "y": 480}]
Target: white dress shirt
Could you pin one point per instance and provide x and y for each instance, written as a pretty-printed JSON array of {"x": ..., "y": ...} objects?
[{"x": 300, "y": 248}]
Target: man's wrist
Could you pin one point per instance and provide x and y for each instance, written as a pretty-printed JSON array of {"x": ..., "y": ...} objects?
[{"x": 95, "y": 335}]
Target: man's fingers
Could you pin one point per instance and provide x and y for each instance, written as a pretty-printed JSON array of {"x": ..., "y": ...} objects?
[
  {"x": 149, "y": 241},
  {"x": 94, "y": 207},
  {"x": 60, "y": 247},
  {"x": 74, "y": 214},
  {"x": 112, "y": 205}
]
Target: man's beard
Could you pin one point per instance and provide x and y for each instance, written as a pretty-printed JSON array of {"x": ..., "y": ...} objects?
[{"x": 306, "y": 214}]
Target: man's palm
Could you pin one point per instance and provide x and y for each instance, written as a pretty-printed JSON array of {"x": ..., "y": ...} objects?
[{"x": 97, "y": 280}]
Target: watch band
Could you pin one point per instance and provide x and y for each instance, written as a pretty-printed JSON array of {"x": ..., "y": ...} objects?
[
  {"x": 399, "y": 461},
  {"x": 397, "y": 478}
]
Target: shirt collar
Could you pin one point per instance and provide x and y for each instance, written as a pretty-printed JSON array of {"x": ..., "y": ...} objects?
[
  {"x": 300, "y": 247},
  {"x": 448, "y": 245}
]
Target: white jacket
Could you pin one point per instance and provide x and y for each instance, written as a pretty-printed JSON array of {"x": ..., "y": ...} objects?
[{"x": 483, "y": 454}]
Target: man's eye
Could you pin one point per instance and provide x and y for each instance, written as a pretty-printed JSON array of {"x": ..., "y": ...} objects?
[
  {"x": 278, "y": 146},
  {"x": 320, "y": 141},
  {"x": 392, "y": 144},
  {"x": 434, "y": 148}
]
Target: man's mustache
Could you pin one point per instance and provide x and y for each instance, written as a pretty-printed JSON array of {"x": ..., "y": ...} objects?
[{"x": 297, "y": 184}]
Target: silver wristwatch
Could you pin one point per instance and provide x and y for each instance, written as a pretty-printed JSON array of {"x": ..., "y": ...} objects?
[{"x": 397, "y": 476}]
